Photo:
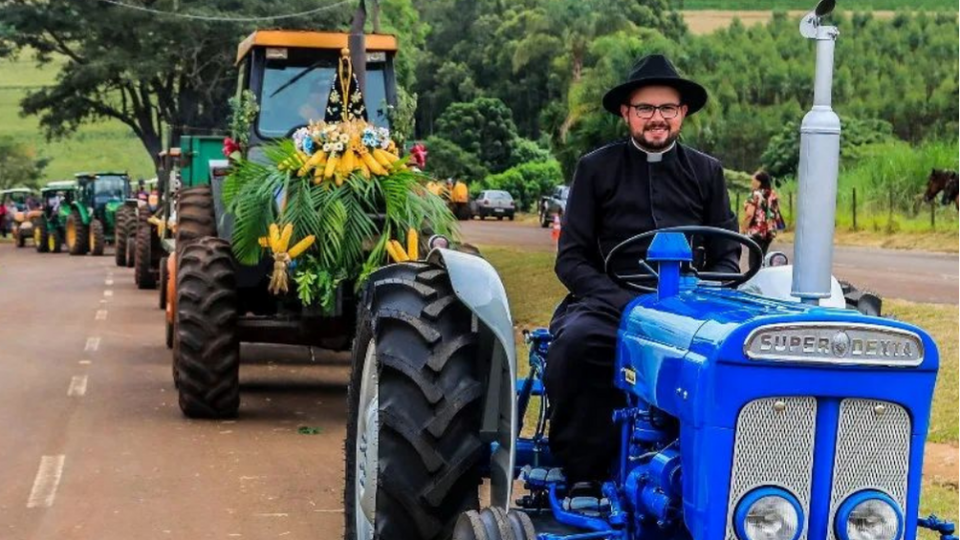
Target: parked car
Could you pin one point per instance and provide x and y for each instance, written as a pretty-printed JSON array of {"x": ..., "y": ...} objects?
[
  {"x": 553, "y": 205},
  {"x": 494, "y": 203}
]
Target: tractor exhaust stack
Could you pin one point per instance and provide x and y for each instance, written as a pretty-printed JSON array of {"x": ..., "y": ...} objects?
[{"x": 819, "y": 166}]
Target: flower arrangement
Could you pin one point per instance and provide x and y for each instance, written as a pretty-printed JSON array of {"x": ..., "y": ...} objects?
[{"x": 334, "y": 151}]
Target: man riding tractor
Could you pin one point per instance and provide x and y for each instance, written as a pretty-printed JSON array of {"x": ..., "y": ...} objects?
[
  {"x": 90, "y": 225},
  {"x": 50, "y": 228},
  {"x": 22, "y": 208}
]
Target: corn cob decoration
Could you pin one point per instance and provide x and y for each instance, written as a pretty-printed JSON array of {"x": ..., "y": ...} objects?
[
  {"x": 278, "y": 241},
  {"x": 398, "y": 254}
]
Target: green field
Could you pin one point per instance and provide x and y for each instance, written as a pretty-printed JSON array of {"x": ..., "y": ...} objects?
[
  {"x": 106, "y": 145},
  {"x": 846, "y": 5}
]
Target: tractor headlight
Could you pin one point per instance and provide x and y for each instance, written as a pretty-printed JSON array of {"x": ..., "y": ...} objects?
[
  {"x": 768, "y": 513},
  {"x": 869, "y": 515}
]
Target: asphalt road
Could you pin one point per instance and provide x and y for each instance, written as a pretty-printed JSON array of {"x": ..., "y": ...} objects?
[
  {"x": 94, "y": 445},
  {"x": 910, "y": 275}
]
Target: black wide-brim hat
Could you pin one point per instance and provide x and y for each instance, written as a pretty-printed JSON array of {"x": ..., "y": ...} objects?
[{"x": 656, "y": 70}]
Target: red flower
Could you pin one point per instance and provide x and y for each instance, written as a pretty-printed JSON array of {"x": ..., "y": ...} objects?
[{"x": 230, "y": 147}]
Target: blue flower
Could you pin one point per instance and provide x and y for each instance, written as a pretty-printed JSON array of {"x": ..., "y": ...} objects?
[{"x": 308, "y": 145}]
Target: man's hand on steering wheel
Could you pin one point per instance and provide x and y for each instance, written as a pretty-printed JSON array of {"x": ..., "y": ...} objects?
[{"x": 647, "y": 280}]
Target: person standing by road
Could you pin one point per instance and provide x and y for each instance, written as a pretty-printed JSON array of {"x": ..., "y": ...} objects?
[{"x": 761, "y": 214}]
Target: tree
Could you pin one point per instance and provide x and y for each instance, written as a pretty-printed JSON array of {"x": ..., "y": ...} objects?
[
  {"x": 782, "y": 156},
  {"x": 447, "y": 160},
  {"x": 146, "y": 70},
  {"x": 19, "y": 164},
  {"x": 484, "y": 128},
  {"x": 527, "y": 182}
]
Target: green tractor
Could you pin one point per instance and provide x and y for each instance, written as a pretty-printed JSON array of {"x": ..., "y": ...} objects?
[
  {"x": 140, "y": 227},
  {"x": 26, "y": 209},
  {"x": 49, "y": 229},
  {"x": 92, "y": 220}
]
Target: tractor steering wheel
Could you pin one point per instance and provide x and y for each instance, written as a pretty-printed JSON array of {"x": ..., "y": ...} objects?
[{"x": 647, "y": 280}]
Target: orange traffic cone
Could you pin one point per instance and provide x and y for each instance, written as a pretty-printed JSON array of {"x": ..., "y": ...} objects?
[{"x": 555, "y": 232}]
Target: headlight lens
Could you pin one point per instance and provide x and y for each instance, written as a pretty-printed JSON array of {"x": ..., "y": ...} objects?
[
  {"x": 869, "y": 515},
  {"x": 769, "y": 514}
]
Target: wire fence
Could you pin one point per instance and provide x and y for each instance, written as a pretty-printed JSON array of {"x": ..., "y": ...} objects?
[{"x": 889, "y": 214}]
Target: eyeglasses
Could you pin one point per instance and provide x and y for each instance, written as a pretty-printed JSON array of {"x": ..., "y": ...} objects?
[{"x": 646, "y": 112}]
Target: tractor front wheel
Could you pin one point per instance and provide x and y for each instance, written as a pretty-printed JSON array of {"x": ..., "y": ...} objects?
[
  {"x": 76, "y": 234},
  {"x": 142, "y": 272},
  {"x": 40, "y": 234},
  {"x": 20, "y": 235},
  {"x": 415, "y": 396},
  {"x": 207, "y": 351},
  {"x": 494, "y": 524},
  {"x": 98, "y": 240},
  {"x": 195, "y": 215},
  {"x": 162, "y": 283}
]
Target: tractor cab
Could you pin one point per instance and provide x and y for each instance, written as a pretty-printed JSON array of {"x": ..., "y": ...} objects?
[
  {"x": 56, "y": 198},
  {"x": 291, "y": 73},
  {"x": 18, "y": 196},
  {"x": 103, "y": 192}
]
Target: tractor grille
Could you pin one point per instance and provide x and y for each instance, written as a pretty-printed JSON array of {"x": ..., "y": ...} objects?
[
  {"x": 774, "y": 447},
  {"x": 873, "y": 452}
]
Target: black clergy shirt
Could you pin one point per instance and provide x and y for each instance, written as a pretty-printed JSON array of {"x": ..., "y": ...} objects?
[{"x": 619, "y": 191}]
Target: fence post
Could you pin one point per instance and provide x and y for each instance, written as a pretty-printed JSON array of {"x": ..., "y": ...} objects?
[
  {"x": 736, "y": 209},
  {"x": 790, "y": 205},
  {"x": 854, "y": 209},
  {"x": 933, "y": 216},
  {"x": 890, "y": 210}
]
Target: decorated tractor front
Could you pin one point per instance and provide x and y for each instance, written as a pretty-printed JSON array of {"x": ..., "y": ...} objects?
[
  {"x": 50, "y": 228},
  {"x": 90, "y": 225},
  {"x": 289, "y": 237}
]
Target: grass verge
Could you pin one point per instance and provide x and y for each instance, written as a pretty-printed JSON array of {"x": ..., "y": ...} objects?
[{"x": 942, "y": 241}]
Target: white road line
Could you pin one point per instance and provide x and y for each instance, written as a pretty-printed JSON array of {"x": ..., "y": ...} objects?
[
  {"x": 101, "y": 315},
  {"x": 85, "y": 362},
  {"x": 108, "y": 293},
  {"x": 93, "y": 343},
  {"x": 108, "y": 282},
  {"x": 45, "y": 484},
  {"x": 78, "y": 386}
]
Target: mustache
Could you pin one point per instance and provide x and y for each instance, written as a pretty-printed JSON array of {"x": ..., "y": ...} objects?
[{"x": 650, "y": 127}]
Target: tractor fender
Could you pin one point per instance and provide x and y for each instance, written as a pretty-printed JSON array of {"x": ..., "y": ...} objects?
[
  {"x": 478, "y": 286},
  {"x": 84, "y": 213}
]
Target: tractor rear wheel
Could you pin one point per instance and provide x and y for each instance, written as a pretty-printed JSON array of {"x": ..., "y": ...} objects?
[
  {"x": 415, "y": 398},
  {"x": 20, "y": 235},
  {"x": 122, "y": 230},
  {"x": 142, "y": 272},
  {"x": 207, "y": 355},
  {"x": 76, "y": 234},
  {"x": 195, "y": 215},
  {"x": 40, "y": 236},
  {"x": 97, "y": 239}
]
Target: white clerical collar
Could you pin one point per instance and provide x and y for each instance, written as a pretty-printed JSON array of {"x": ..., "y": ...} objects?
[{"x": 652, "y": 157}]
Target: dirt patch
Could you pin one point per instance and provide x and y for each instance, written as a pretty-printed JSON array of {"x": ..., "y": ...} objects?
[
  {"x": 708, "y": 20},
  {"x": 940, "y": 464}
]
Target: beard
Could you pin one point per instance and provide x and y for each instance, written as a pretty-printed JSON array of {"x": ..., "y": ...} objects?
[{"x": 656, "y": 137}]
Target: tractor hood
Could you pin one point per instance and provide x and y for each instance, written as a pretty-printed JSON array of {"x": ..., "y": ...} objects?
[{"x": 681, "y": 351}]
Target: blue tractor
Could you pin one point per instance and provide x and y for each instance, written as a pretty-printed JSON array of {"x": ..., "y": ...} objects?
[{"x": 759, "y": 407}]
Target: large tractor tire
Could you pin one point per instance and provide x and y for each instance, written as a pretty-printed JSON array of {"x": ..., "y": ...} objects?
[
  {"x": 494, "y": 524},
  {"x": 415, "y": 396},
  {"x": 132, "y": 243},
  {"x": 98, "y": 240},
  {"x": 142, "y": 272},
  {"x": 77, "y": 234},
  {"x": 162, "y": 283},
  {"x": 207, "y": 348},
  {"x": 121, "y": 232},
  {"x": 40, "y": 235},
  {"x": 195, "y": 215}
]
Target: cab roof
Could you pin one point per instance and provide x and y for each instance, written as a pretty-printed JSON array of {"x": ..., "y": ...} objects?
[
  {"x": 96, "y": 174},
  {"x": 311, "y": 40},
  {"x": 60, "y": 184},
  {"x": 17, "y": 190}
]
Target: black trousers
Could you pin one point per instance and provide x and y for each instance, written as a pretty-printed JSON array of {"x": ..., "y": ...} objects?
[
  {"x": 579, "y": 384},
  {"x": 764, "y": 243}
]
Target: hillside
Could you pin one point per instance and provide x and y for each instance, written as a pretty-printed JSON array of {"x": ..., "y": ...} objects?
[{"x": 104, "y": 145}]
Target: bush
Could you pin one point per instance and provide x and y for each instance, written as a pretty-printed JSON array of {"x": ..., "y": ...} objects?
[
  {"x": 782, "y": 156},
  {"x": 527, "y": 182}
]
